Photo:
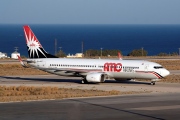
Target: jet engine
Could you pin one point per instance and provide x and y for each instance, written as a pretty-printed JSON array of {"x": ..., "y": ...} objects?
[{"x": 95, "y": 77}]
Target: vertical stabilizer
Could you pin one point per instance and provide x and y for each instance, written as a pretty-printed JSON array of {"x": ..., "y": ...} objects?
[{"x": 35, "y": 49}]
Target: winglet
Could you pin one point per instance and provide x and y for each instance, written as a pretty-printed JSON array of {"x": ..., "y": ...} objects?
[
  {"x": 119, "y": 56},
  {"x": 20, "y": 60}
]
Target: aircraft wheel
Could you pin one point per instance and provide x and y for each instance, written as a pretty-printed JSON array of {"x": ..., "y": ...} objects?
[
  {"x": 84, "y": 81},
  {"x": 153, "y": 83}
]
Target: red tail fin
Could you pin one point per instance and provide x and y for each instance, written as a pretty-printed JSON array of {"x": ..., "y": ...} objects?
[
  {"x": 30, "y": 37},
  {"x": 35, "y": 49}
]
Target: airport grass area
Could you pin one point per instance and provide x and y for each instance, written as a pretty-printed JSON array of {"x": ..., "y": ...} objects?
[
  {"x": 24, "y": 93},
  {"x": 16, "y": 69}
]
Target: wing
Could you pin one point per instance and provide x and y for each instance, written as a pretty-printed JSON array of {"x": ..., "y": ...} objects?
[{"x": 72, "y": 70}]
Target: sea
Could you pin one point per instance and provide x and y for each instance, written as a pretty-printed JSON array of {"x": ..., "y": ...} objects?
[{"x": 69, "y": 38}]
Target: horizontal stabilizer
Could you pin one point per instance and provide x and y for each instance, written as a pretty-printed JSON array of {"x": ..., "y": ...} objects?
[
  {"x": 119, "y": 56},
  {"x": 20, "y": 60}
]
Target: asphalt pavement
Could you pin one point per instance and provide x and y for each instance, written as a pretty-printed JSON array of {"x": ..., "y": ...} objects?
[{"x": 129, "y": 107}]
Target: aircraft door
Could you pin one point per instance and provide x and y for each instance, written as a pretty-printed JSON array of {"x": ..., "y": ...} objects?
[
  {"x": 41, "y": 63},
  {"x": 146, "y": 66}
]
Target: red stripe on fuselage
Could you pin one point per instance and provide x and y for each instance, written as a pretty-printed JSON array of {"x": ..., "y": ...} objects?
[{"x": 151, "y": 72}]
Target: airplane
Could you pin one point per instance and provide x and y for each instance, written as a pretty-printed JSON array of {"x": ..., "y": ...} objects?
[
  {"x": 119, "y": 56},
  {"x": 20, "y": 60},
  {"x": 91, "y": 70}
]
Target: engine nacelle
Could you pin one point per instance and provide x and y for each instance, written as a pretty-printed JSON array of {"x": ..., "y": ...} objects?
[{"x": 95, "y": 77}]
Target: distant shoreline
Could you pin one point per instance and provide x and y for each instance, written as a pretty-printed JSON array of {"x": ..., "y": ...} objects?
[{"x": 127, "y": 37}]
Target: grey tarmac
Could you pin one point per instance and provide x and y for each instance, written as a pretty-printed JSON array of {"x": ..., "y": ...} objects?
[
  {"x": 75, "y": 82},
  {"x": 158, "y": 102},
  {"x": 154, "y": 106}
]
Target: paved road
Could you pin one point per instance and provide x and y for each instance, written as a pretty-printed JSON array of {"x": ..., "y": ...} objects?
[
  {"x": 129, "y": 107},
  {"x": 162, "y": 103},
  {"x": 175, "y": 72},
  {"x": 70, "y": 82}
]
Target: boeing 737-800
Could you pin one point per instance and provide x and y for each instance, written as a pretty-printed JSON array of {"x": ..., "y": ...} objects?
[{"x": 91, "y": 70}]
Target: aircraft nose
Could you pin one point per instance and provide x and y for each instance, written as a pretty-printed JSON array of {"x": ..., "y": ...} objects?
[{"x": 165, "y": 73}]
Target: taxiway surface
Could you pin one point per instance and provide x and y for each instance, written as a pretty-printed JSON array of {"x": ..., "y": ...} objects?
[
  {"x": 144, "y": 107},
  {"x": 74, "y": 82},
  {"x": 159, "y": 102}
]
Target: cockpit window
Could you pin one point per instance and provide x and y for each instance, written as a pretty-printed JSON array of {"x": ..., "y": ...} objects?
[{"x": 158, "y": 67}]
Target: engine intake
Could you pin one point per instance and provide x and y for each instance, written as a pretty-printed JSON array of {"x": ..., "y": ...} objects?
[{"x": 95, "y": 77}]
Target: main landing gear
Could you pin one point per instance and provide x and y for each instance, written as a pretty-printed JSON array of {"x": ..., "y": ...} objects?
[
  {"x": 153, "y": 82},
  {"x": 84, "y": 81}
]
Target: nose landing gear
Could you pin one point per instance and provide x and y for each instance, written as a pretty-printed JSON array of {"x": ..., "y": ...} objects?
[
  {"x": 153, "y": 81},
  {"x": 84, "y": 81}
]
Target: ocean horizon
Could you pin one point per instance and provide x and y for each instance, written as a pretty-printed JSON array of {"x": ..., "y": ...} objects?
[{"x": 152, "y": 38}]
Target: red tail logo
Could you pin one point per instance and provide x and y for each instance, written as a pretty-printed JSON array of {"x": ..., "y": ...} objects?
[
  {"x": 34, "y": 46},
  {"x": 30, "y": 37},
  {"x": 35, "y": 49}
]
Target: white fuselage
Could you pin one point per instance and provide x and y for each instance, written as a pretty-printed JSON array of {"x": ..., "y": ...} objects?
[{"x": 117, "y": 69}]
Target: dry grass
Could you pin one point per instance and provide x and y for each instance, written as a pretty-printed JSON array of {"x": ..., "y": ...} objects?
[
  {"x": 169, "y": 64},
  {"x": 23, "y": 93},
  {"x": 171, "y": 79},
  {"x": 17, "y": 69}
]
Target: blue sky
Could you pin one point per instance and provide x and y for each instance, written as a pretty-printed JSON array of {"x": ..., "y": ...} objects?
[{"x": 89, "y": 11}]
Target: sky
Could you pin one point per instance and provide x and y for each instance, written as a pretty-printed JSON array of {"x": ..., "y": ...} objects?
[{"x": 89, "y": 11}]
